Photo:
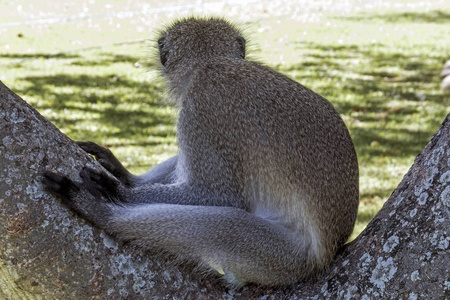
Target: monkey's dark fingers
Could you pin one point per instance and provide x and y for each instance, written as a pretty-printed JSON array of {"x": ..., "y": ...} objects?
[
  {"x": 101, "y": 178},
  {"x": 89, "y": 147},
  {"x": 107, "y": 165},
  {"x": 100, "y": 184},
  {"x": 58, "y": 184},
  {"x": 91, "y": 179},
  {"x": 91, "y": 174},
  {"x": 107, "y": 159},
  {"x": 96, "y": 150},
  {"x": 52, "y": 181}
]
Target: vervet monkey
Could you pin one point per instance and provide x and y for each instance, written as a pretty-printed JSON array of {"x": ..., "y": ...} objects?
[{"x": 265, "y": 186}]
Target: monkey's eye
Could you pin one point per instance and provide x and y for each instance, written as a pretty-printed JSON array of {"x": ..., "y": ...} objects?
[
  {"x": 161, "y": 43},
  {"x": 241, "y": 42},
  {"x": 162, "y": 53}
]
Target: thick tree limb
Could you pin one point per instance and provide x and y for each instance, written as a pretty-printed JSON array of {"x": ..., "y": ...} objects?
[{"x": 46, "y": 252}]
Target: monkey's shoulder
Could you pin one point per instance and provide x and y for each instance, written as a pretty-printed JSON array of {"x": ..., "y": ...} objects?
[
  {"x": 240, "y": 71},
  {"x": 252, "y": 82}
]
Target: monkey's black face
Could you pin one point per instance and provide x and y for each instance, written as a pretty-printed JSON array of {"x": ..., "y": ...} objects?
[
  {"x": 241, "y": 42},
  {"x": 196, "y": 40},
  {"x": 162, "y": 52}
]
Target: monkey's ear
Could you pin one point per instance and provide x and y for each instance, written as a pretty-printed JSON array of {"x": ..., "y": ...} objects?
[
  {"x": 241, "y": 42},
  {"x": 162, "y": 53}
]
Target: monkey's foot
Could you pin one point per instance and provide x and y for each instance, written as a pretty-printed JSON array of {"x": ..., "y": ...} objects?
[
  {"x": 60, "y": 185},
  {"x": 101, "y": 185},
  {"x": 78, "y": 197}
]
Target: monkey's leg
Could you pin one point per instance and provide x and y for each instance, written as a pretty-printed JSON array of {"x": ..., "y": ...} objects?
[
  {"x": 101, "y": 185},
  {"x": 244, "y": 247}
]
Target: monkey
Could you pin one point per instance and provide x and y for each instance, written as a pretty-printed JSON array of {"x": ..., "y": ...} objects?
[{"x": 265, "y": 186}]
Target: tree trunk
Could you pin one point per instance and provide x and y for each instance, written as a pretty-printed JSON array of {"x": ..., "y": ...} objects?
[{"x": 46, "y": 252}]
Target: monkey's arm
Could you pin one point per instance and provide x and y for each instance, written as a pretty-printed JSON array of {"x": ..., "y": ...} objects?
[
  {"x": 104, "y": 186},
  {"x": 162, "y": 173}
]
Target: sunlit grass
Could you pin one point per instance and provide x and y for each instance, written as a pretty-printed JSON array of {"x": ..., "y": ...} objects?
[{"x": 379, "y": 68}]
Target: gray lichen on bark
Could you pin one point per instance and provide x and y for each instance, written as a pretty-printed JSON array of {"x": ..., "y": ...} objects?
[{"x": 46, "y": 252}]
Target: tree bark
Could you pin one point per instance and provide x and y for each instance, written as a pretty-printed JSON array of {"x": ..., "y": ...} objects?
[{"x": 47, "y": 252}]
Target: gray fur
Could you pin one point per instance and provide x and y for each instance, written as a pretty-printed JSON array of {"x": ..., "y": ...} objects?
[{"x": 265, "y": 186}]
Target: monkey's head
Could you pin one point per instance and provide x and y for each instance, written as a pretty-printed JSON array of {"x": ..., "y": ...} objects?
[{"x": 191, "y": 41}]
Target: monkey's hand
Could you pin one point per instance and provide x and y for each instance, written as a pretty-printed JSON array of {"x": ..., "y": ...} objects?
[
  {"x": 107, "y": 159},
  {"x": 90, "y": 198}
]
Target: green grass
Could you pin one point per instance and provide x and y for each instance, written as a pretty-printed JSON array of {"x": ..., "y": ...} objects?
[{"x": 379, "y": 68}]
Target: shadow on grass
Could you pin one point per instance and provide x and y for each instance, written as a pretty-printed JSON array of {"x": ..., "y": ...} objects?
[
  {"x": 102, "y": 59},
  {"x": 106, "y": 59},
  {"x": 39, "y": 55},
  {"x": 126, "y": 108},
  {"x": 380, "y": 64},
  {"x": 390, "y": 142},
  {"x": 380, "y": 88},
  {"x": 435, "y": 16},
  {"x": 14, "y": 60}
]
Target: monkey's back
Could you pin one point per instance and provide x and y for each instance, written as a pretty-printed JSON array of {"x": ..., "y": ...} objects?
[{"x": 276, "y": 140}]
